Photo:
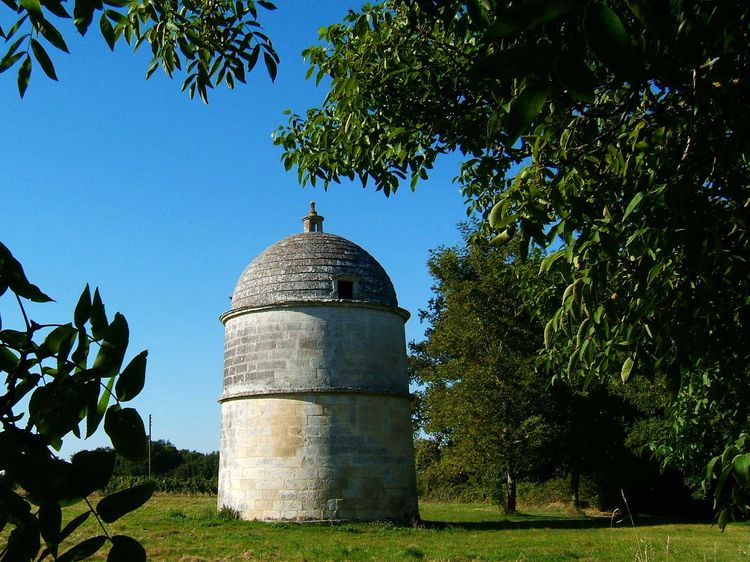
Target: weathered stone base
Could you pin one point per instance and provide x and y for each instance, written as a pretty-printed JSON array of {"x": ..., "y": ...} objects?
[{"x": 318, "y": 457}]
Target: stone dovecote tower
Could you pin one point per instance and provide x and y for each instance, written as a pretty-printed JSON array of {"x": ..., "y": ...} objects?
[{"x": 315, "y": 409}]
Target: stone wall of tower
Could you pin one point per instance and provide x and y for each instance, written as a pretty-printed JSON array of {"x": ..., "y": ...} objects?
[
  {"x": 315, "y": 413},
  {"x": 318, "y": 456}
]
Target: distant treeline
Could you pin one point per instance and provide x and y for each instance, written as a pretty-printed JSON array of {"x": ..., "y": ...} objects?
[{"x": 178, "y": 471}]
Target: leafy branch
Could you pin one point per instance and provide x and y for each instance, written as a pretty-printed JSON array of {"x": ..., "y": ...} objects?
[
  {"x": 218, "y": 41},
  {"x": 58, "y": 383}
]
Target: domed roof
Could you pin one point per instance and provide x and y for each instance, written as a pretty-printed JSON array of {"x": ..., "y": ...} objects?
[{"x": 313, "y": 266}]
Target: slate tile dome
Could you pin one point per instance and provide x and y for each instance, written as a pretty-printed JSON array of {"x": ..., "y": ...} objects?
[{"x": 307, "y": 267}]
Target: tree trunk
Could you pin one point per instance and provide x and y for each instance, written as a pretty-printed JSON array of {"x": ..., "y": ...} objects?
[
  {"x": 510, "y": 496},
  {"x": 575, "y": 488}
]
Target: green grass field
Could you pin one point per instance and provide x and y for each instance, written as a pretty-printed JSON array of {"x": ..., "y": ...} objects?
[{"x": 188, "y": 529}]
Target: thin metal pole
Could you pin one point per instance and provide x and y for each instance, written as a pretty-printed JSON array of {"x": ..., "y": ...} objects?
[{"x": 149, "y": 445}]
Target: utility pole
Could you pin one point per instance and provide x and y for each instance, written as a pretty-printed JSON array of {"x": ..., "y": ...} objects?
[{"x": 149, "y": 445}]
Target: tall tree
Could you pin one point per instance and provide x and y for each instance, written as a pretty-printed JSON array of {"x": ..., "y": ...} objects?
[
  {"x": 493, "y": 417},
  {"x": 617, "y": 131},
  {"x": 482, "y": 395}
]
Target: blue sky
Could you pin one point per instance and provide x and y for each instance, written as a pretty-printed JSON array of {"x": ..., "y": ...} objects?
[{"x": 161, "y": 202}]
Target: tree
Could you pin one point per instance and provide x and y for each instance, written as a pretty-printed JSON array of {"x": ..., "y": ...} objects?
[
  {"x": 482, "y": 398},
  {"x": 615, "y": 133},
  {"x": 168, "y": 460},
  {"x": 217, "y": 40},
  {"x": 491, "y": 418}
]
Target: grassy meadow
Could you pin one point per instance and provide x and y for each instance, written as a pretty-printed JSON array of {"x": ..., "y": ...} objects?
[{"x": 188, "y": 529}]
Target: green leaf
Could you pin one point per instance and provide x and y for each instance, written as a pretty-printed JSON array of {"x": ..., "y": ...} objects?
[
  {"x": 99, "y": 324},
  {"x": 8, "y": 360},
  {"x": 741, "y": 468},
  {"x": 656, "y": 20},
  {"x": 575, "y": 77},
  {"x": 131, "y": 380},
  {"x": 83, "y": 549},
  {"x": 9, "y": 61},
  {"x": 528, "y": 15},
  {"x": 33, "y": 7},
  {"x": 54, "y": 408},
  {"x": 478, "y": 13},
  {"x": 14, "y": 28},
  {"x": 43, "y": 59},
  {"x": 710, "y": 469},
  {"x": 126, "y": 549},
  {"x": 51, "y": 34},
  {"x": 516, "y": 62},
  {"x": 83, "y": 308},
  {"x": 609, "y": 40},
  {"x": 50, "y": 520},
  {"x": 724, "y": 517},
  {"x": 56, "y": 338},
  {"x": 13, "y": 506},
  {"x": 496, "y": 213},
  {"x": 125, "y": 428},
  {"x": 114, "y": 506},
  {"x": 81, "y": 353},
  {"x": 524, "y": 109},
  {"x": 633, "y": 204},
  {"x": 548, "y": 330},
  {"x": 108, "y": 31},
  {"x": 627, "y": 368},
  {"x": 73, "y": 525},
  {"x": 83, "y": 14},
  {"x": 503, "y": 238},
  {"x": 56, "y": 7},
  {"x": 11, "y": 56},
  {"x": 548, "y": 261},
  {"x": 23, "y": 541},
  {"x": 270, "y": 66},
  {"x": 96, "y": 410},
  {"x": 113, "y": 347},
  {"x": 252, "y": 58},
  {"x": 11, "y": 271},
  {"x": 116, "y": 17}
]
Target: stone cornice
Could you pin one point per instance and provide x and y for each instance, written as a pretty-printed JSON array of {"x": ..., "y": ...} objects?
[
  {"x": 286, "y": 393},
  {"x": 291, "y": 305}
]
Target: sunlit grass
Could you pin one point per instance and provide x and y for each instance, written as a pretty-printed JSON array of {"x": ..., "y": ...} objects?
[{"x": 188, "y": 529}]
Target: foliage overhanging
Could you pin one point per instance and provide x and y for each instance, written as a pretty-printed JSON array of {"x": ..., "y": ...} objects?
[
  {"x": 615, "y": 134},
  {"x": 218, "y": 41}
]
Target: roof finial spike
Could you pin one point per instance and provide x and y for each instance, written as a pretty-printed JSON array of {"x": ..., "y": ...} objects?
[{"x": 313, "y": 222}]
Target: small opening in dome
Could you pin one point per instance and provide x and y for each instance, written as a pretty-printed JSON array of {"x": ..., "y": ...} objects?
[{"x": 345, "y": 289}]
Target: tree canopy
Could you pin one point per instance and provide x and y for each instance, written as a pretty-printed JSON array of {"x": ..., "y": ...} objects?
[
  {"x": 482, "y": 398},
  {"x": 492, "y": 420},
  {"x": 217, "y": 41},
  {"x": 614, "y": 133}
]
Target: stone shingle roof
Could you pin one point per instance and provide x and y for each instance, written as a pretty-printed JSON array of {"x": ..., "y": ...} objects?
[{"x": 303, "y": 267}]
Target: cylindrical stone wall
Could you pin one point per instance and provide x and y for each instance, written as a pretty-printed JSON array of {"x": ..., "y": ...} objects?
[
  {"x": 315, "y": 413},
  {"x": 318, "y": 456},
  {"x": 293, "y": 348}
]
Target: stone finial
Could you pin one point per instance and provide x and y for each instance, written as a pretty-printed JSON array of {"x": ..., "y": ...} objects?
[{"x": 313, "y": 222}]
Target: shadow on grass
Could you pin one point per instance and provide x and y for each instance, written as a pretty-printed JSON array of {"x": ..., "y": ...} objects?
[{"x": 521, "y": 521}]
